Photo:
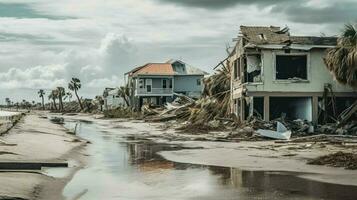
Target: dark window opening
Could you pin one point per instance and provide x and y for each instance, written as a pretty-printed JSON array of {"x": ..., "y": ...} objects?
[
  {"x": 170, "y": 83},
  {"x": 291, "y": 108},
  {"x": 198, "y": 81},
  {"x": 258, "y": 107},
  {"x": 291, "y": 67},
  {"x": 164, "y": 83},
  {"x": 148, "y": 88},
  {"x": 236, "y": 69}
]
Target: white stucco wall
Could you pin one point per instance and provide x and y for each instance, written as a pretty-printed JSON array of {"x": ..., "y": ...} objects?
[{"x": 318, "y": 75}]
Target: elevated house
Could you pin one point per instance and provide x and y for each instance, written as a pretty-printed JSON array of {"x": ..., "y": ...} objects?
[
  {"x": 157, "y": 83},
  {"x": 275, "y": 74}
]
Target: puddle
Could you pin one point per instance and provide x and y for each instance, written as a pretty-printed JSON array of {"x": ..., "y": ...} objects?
[
  {"x": 129, "y": 169},
  {"x": 56, "y": 172}
]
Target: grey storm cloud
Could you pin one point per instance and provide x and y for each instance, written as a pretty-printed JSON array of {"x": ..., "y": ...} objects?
[
  {"x": 22, "y": 10},
  {"x": 335, "y": 13},
  {"x": 219, "y": 4}
]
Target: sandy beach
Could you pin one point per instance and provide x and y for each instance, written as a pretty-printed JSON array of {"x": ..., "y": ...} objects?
[{"x": 35, "y": 139}]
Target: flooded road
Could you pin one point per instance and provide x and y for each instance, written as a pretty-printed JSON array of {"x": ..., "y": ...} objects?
[{"x": 128, "y": 169}]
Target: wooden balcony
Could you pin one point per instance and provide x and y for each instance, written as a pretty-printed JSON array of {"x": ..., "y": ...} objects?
[{"x": 154, "y": 92}]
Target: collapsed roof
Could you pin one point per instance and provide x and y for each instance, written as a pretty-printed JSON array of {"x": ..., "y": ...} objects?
[{"x": 263, "y": 36}]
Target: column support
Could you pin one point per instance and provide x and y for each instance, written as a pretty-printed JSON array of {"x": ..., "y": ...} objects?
[{"x": 266, "y": 108}]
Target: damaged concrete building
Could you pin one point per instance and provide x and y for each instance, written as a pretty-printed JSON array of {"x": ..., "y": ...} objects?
[{"x": 277, "y": 75}]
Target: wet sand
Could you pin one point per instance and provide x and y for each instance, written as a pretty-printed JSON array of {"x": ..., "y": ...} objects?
[
  {"x": 258, "y": 156},
  {"x": 35, "y": 139},
  {"x": 125, "y": 156}
]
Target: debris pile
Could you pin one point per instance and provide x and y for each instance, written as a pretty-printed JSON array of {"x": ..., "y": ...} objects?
[
  {"x": 211, "y": 112},
  {"x": 121, "y": 112},
  {"x": 57, "y": 120},
  {"x": 350, "y": 128},
  {"x": 297, "y": 127},
  {"x": 339, "y": 159}
]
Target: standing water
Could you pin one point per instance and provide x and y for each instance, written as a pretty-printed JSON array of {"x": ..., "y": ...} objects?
[{"x": 124, "y": 169}]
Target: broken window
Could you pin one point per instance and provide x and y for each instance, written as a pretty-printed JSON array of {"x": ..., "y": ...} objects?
[
  {"x": 253, "y": 69},
  {"x": 291, "y": 67},
  {"x": 237, "y": 69}
]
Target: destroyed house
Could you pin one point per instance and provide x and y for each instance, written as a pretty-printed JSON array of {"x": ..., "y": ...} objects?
[
  {"x": 276, "y": 75},
  {"x": 157, "y": 83}
]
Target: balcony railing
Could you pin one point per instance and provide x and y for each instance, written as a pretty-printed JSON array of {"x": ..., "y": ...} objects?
[{"x": 154, "y": 91}]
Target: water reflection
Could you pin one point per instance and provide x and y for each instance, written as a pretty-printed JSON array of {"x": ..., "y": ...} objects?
[{"x": 128, "y": 168}]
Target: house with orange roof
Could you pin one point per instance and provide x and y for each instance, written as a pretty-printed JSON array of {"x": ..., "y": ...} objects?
[{"x": 157, "y": 83}]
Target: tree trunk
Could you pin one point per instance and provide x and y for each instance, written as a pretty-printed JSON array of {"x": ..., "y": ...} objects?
[
  {"x": 60, "y": 103},
  {"x": 126, "y": 101},
  {"x": 79, "y": 101},
  {"x": 54, "y": 104},
  {"x": 43, "y": 103}
]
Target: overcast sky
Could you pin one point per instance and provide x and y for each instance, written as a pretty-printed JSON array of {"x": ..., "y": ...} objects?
[{"x": 44, "y": 42}]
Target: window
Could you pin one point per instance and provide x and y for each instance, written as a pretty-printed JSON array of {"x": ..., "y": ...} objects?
[
  {"x": 198, "y": 81},
  {"x": 236, "y": 69},
  {"x": 170, "y": 83},
  {"x": 141, "y": 83},
  {"x": 253, "y": 68},
  {"x": 291, "y": 67},
  {"x": 164, "y": 83}
]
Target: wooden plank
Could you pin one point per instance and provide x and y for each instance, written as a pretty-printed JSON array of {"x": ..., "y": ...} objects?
[{"x": 30, "y": 165}]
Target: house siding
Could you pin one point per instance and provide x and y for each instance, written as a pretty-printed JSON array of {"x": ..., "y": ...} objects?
[{"x": 188, "y": 84}]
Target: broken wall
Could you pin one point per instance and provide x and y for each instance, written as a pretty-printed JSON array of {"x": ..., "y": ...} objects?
[{"x": 318, "y": 75}]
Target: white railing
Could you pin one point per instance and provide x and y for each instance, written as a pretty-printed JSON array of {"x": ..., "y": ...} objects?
[{"x": 154, "y": 91}]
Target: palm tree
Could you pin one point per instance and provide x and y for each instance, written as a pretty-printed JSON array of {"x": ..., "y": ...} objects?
[
  {"x": 61, "y": 92},
  {"x": 69, "y": 96},
  {"x": 124, "y": 93},
  {"x": 53, "y": 96},
  {"x": 41, "y": 94},
  {"x": 75, "y": 85},
  {"x": 341, "y": 61},
  {"x": 8, "y": 101}
]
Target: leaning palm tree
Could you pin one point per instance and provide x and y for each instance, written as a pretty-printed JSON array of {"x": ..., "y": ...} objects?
[
  {"x": 41, "y": 94},
  {"x": 341, "y": 61},
  {"x": 53, "y": 96},
  {"x": 61, "y": 92},
  {"x": 75, "y": 85}
]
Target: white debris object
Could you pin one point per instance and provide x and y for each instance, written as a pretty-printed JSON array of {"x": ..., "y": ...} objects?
[{"x": 282, "y": 132}]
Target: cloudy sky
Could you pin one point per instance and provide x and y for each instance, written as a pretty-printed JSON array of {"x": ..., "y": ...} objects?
[{"x": 45, "y": 42}]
